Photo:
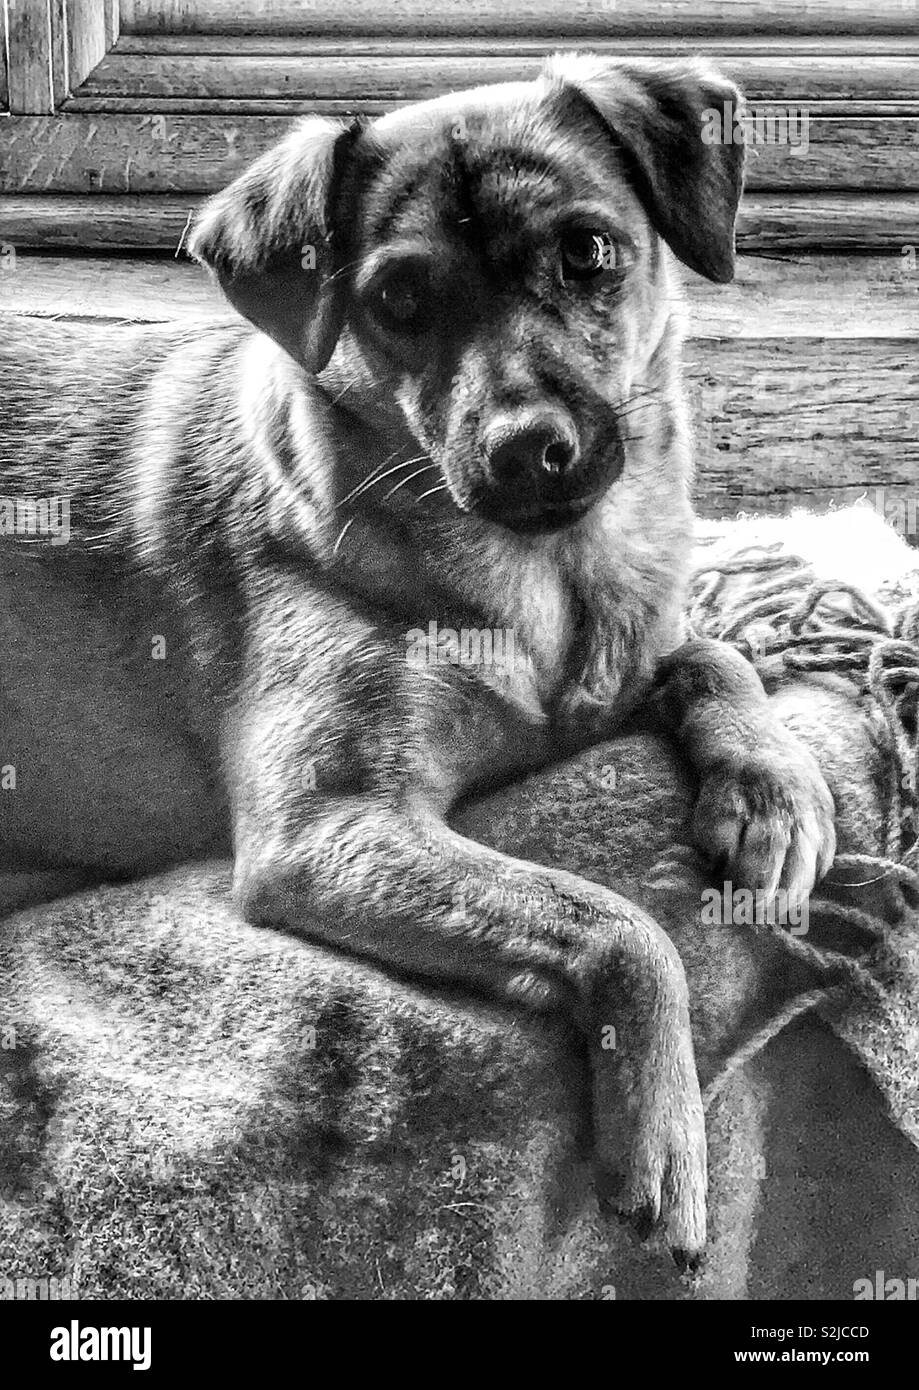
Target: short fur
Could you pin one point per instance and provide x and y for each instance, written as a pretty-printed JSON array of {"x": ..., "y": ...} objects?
[{"x": 279, "y": 510}]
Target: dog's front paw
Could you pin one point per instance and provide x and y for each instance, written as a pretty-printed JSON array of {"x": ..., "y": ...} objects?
[{"x": 767, "y": 822}]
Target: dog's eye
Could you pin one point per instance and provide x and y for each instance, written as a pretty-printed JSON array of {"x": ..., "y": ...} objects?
[
  {"x": 587, "y": 254},
  {"x": 402, "y": 303}
]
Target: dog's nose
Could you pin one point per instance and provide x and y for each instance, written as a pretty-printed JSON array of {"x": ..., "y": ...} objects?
[{"x": 517, "y": 446}]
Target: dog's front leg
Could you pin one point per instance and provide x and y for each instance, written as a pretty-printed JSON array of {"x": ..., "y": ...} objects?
[
  {"x": 336, "y": 836},
  {"x": 389, "y": 880},
  {"x": 764, "y": 812}
]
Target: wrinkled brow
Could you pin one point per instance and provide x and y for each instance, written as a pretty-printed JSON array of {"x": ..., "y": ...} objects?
[{"x": 458, "y": 181}]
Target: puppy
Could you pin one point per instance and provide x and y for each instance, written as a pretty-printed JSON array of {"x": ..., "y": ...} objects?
[{"x": 417, "y": 522}]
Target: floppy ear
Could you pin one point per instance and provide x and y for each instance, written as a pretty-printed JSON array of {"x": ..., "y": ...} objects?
[
  {"x": 273, "y": 239},
  {"x": 657, "y": 113}
]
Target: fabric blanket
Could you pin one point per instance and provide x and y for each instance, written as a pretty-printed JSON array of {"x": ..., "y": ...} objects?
[{"x": 191, "y": 1107}]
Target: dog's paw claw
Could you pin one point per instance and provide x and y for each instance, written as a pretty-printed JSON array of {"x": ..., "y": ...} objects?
[
  {"x": 659, "y": 1180},
  {"x": 769, "y": 823}
]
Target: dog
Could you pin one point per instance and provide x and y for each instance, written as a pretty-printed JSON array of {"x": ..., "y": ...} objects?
[{"x": 413, "y": 523}]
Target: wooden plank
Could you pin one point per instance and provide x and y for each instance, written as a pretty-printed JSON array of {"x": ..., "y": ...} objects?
[
  {"x": 583, "y": 18},
  {"x": 99, "y": 287},
  {"x": 4, "y": 77},
  {"x": 51, "y": 46},
  {"x": 775, "y": 222},
  {"x": 300, "y": 80},
  {"x": 169, "y": 153},
  {"x": 769, "y": 224},
  {"x": 784, "y": 423},
  {"x": 95, "y": 224},
  {"x": 772, "y": 46},
  {"x": 86, "y": 38},
  {"x": 60, "y": 51},
  {"x": 31, "y": 39},
  {"x": 130, "y": 154},
  {"x": 815, "y": 297},
  {"x": 111, "y": 18}
]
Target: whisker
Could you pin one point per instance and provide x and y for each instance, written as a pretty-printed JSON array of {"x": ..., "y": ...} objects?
[
  {"x": 341, "y": 535},
  {"x": 343, "y": 270},
  {"x": 640, "y": 401},
  {"x": 380, "y": 477},
  {"x": 441, "y": 487},
  {"x": 417, "y": 474},
  {"x": 376, "y": 474}
]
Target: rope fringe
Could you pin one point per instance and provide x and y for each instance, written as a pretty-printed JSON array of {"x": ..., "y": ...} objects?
[{"x": 796, "y": 623}]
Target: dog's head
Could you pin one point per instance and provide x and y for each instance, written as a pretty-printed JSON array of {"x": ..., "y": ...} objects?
[{"x": 490, "y": 265}]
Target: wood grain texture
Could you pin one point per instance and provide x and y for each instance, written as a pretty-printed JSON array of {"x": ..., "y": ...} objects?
[
  {"x": 775, "y": 47},
  {"x": 803, "y": 422},
  {"x": 584, "y": 18},
  {"x": 803, "y": 376},
  {"x": 4, "y": 76},
  {"x": 769, "y": 224},
  {"x": 776, "y": 222},
  {"x": 60, "y": 50},
  {"x": 86, "y": 38},
  {"x": 32, "y": 39},
  {"x": 112, "y": 20},
  {"x": 94, "y": 224},
  {"x": 853, "y": 81},
  {"x": 181, "y": 153},
  {"x": 99, "y": 287},
  {"x": 845, "y": 297}
]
